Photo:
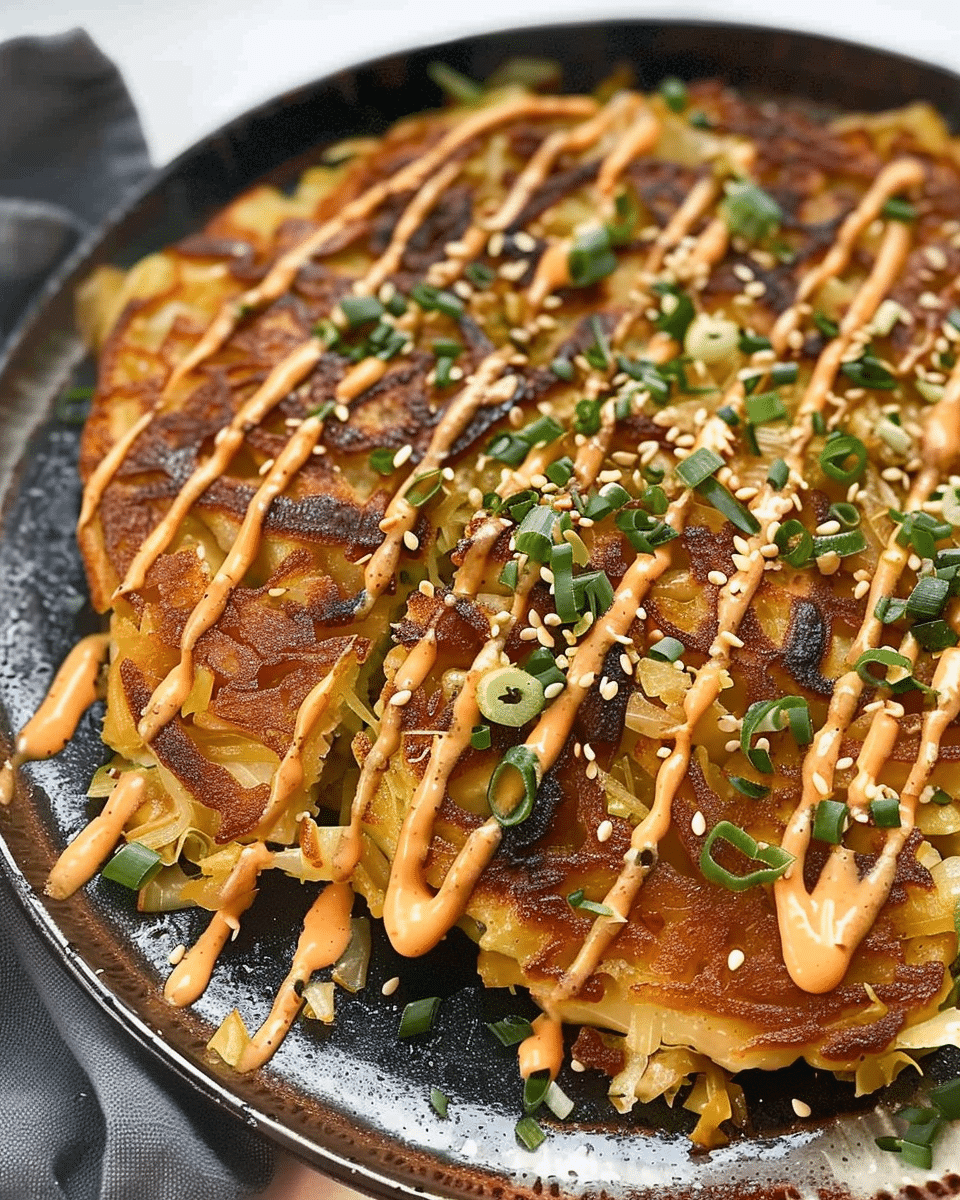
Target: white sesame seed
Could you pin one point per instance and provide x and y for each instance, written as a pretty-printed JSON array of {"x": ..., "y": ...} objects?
[
  {"x": 390, "y": 986},
  {"x": 176, "y": 954},
  {"x": 450, "y": 600},
  {"x": 495, "y": 244},
  {"x": 586, "y": 679},
  {"x": 604, "y": 831},
  {"x": 821, "y": 784},
  {"x": 844, "y": 764},
  {"x": 717, "y": 578},
  {"x": 524, "y": 242},
  {"x": 609, "y": 690},
  {"x": 528, "y": 635},
  {"x": 663, "y": 752},
  {"x": 626, "y": 665},
  {"x": 861, "y": 590},
  {"x": 427, "y": 589},
  {"x": 736, "y": 959},
  {"x": 399, "y": 699},
  {"x": 341, "y": 412},
  {"x": 411, "y": 541},
  {"x": 732, "y": 746},
  {"x": 577, "y": 1066},
  {"x": 698, "y": 824},
  {"x": 545, "y": 638},
  {"x": 801, "y": 1108},
  {"x": 402, "y": 455},
  {"x": 265, "y": 467},
  {"x": 277, "y": 591},
  {"x": 592, "y": 770},
  {"x": 552, "y": 690}
]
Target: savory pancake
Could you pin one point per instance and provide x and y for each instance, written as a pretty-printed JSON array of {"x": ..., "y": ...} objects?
[{"x": 542, "y": 521}]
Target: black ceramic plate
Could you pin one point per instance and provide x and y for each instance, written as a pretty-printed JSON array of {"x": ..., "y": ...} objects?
[{"x": 353, "y": 1099}]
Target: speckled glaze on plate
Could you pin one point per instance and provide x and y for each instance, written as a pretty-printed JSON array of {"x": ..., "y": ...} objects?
[{"x": 352, "y": 1098}]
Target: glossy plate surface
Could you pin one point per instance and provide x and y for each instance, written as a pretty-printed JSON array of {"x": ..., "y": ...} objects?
[{"x": 353, "y": 1099}]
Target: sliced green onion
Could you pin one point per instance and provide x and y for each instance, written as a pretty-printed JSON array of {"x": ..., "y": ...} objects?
[
  {"x": 455, "y": 86},
  {"x": 674, "y": 93},
  {"x": 778, "y": 474},
  {"x": 627, "y": 211},
  {"x": 587, "y": 417},
  {"x": 668, "y": 649},
  {"x": 593, "y": 591},
  {"x": 700, "y": 465},
  {"x": 479, "y": 274},
  {"x": 561, "y": 563},
  {"x": 728, "y": 415},
  {"x": 827, "y": 326},
  {"x": 946, "y": 1099},
  {"x": 818, "y": 423},
  {"x": 433, "y": 299},
  {"x": 326, "y": 332},
  {"x": 396, "y": 305},
  {"x": 942, "y": 798},
  {"x": 783, "y": 373},
  {"x": 795, "y": 543},
  {"x": 829, "y": 821},
  {"x": 920, "y": 530},
  {"x": 885, "y": 812},
  {"x": 764, "y": 408},
  {"x": 382, "y": 461},
  {"x": 480, "y": 737},
  {"x": 775, "y": 859},
  {"x": 441, "y": 373},
  {"x": 535, "y": 1090},
  {"x": 439, "y": 1102},
  {"x": 750, "y": 343},
  {"x": 889, "y": 609},
  {"x": 836, "y": 456},
  {"x": 851, "y": 541},
  {"x": 881, "y": 657},
  {"x": 361, "y": 310},
  {"x": 543, "y": 666},
  {"x": 534, "y": 536},
  {"x": 562, "y": 368},
  {"x": 580, "y": 903},
  {"x": 723, "y": 500},
  {"x": 598, "y": 355},
  {"x": 558, "y": 1102},
  {"x": 590, "y": 258},
  {"x": 869, "y": 372},
  {"x": 509, "y": 696},
  {"x": 510, "y": 1031},
  {"x": 418, "y": 1017},
  {"x": 915, "y": 1155},
  {"x": 746, "y": 787},
  {"x": 133, "y": 866},
  {"x": 773, "y": 716},
  {"x": 322, "y": 411},
  {"x": 529, "y": 1134},
  {"x": 541, "y": 432},
  {"x": 510, "y": 575},
  {"x": 750, "y": 212},
  {"x": 423, "y": 488},
  {"x": 934, "y": 636},
  {"x": 848, "y": 515},
  {"x": 928, "y": 598},
  {"x": 898, "y": 209},
  {"x": 508, "y": 448},
  {"x": 521, "y": 761},
  {"x": 676, "y": 311},
  {"x": 560, "y": 472}
]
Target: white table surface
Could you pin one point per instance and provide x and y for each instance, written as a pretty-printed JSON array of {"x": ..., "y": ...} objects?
[{"x": 192, "y": 64}]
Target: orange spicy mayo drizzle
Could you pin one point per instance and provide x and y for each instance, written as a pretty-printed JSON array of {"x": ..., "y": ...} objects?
[
  {"x": 543, "y": 1049},
  {"x": 73, "y": 690},
  {"x": 325, "y": 936},
  {"x": 171, "y": 693},
  {"x": 191, "y": 975},
  {"x": 80, "y": 861}
]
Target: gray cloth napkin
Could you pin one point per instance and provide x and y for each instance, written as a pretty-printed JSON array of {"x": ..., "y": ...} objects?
[{"x": 85, "y": 1113}]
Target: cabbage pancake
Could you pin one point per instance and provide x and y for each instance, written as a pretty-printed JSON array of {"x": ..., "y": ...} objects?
[{"x": 544, "y": 519}]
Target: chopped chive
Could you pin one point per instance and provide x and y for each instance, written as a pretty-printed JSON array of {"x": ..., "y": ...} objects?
[
  {"x": 508, "y": 448},
  {"x": 848, "y": 515},
  {"x": 818, "y": 423},
  {"x": 668, "y": 649},
  {"x": 396, "y": 305},
  {"x": 885, "y": 812},
  {"x": 510, "y": 1031},
  {"x": 593, "y": 591},
  {"x": 480, "y": 737},
  {"x": 928, "y": 598},
  {"x": 700, "y": 120},
  {"x": 829, "y": 821},
  {"x": 418, "y": 1017},
  {"x": 529, "y": 1134},
  {"x": 326, "y": 332},
  {"x": 889, "y": 609},
  {"x": 133, "y": 866},
  {"x": 750, "y": 342},
  {"x": 439, "y": 1102},
  {"x": 869, "y": 372},
  {"x": 778, "y": 474},
  {"x": 728, "y": 415},
  {"x": 851, "y": 541},
  {"x": 827, "y": 326},
  {"x": 884, "y": 657},
  {"x": 795, "y": 543},
  {"x": 773, "y": 716},
  {"x": 674, "y": 93},
  {"x": 433, "y": 299},
  {"x": 382, "y": 461},
  {"x": 783, "y": 373},
  {"x": 627, "y": 213},
  {"x": 722, "y": 499},
  {"x": 446, "y": 348},
  {"x": 541, "y": 432},
  {"x": 565, "y": 597},
  {"x": 562, "y": 368},
  {"x": 587, "y": 417},
  {"x": 519, "y": 760},
  {"x": 776, "y": 860},
  {"x": 676, "y": 311}
]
